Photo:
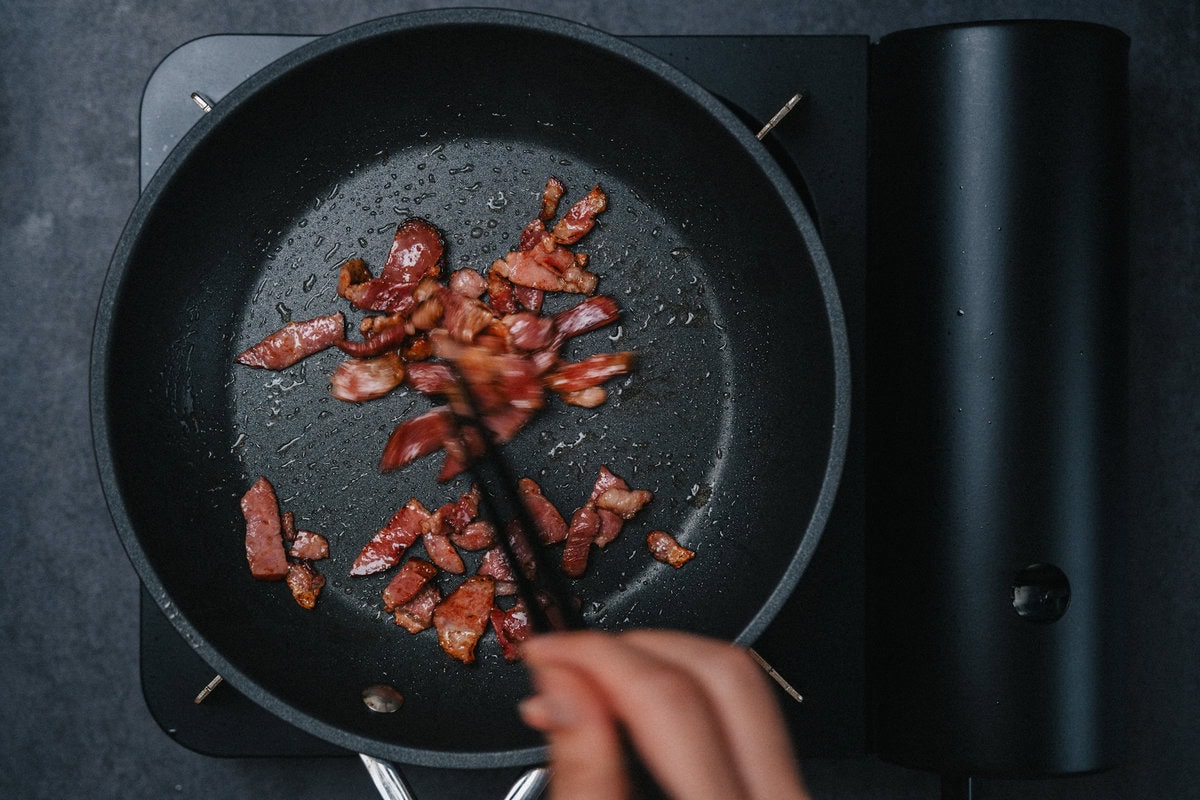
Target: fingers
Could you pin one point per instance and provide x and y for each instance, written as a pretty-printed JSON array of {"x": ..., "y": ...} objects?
[
  {"x": 744, "y": 703},
  {"x": 585, "y": 744},
  {"x": 664, "y": 709}
]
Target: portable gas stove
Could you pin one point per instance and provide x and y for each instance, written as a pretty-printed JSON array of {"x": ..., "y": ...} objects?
[{"x": 817, "y": 641}]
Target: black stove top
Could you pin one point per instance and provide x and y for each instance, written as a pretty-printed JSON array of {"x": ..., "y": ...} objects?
[{"x": 817, "y": 640}]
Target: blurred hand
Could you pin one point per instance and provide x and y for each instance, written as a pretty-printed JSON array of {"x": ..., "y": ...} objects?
[{"x": 699, "y": 713}]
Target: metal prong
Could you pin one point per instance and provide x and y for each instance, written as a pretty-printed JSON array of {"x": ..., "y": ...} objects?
[
  {"x": 779, "y": 115},
  {"x": 775, "y": 676},
  {"x": 207, "y": 690},
  {"x": 204, "y": 103}
]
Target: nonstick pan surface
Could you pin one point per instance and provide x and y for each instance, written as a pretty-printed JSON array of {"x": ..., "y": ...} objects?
[{"x": 735, "y": 417}]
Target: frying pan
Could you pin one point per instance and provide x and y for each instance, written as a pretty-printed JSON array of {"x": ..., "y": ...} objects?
[{"x": 736, "y": 416}]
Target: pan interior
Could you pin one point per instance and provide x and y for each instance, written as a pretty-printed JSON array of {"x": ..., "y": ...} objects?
[{"x": 727, "y": 418}]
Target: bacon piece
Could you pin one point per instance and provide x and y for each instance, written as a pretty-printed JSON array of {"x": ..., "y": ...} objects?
[
  {"x": 428, "y": 314},
  {"x": 550, "y": 196},
  {"x": 625, "y": 503},
  {"x": 495, "y": 564},
  {"x": 529, "y": 332},
  {"x": 264, "y": 538},
  {"x": 532, "y": 235},
  {"x": 585, "y": 398},
  {"x": 551, "y": 527},
  {"x": 605, "y": 480},
  {"x": 507, "y": 647},
  {"x": 389, "y": 338},
  {"x": 309, "y": 546},
  {"x": 287, "y": 525},
  {"x": 373, "y": 325},
  {"x": 591, "y": 371},
  {"x": 305, "y": 582},
  {"x": 415, "y": 438},
  {"x": 430, "y": 378},
  {"x": 581, "y": 217},
  {"x": 521, "y": 550},
  {"x": 500, "y": 293},
  {"x": 664, "y": 548},
  {"x": 417, "y": 614},
  {"x": 463, "y": 616},
  {"x": 511, "y": 627},
  {"x": 360, "y": 379},
  {"x": 416, "y": 252},
  {"x": 585, "y": 523},
  {"x": 529, "y": 298},
  {"x": 464, "y": 317},
  {"x": 468, "y": 283},
  {"x": 476, "y": 535},
  {"x": 384, "y": 549},
  {"x": 610, "y": 527},
  {"x": 407, "y": 582},
  {"x": 442, "y": 552},
  {"x": 555, "y": 271},
  {"x": 587, "y": 315},
  {"x": 374, "y": 294},
  {"x": 295, "y": 341},
  {"x": 418, "y": 348}
]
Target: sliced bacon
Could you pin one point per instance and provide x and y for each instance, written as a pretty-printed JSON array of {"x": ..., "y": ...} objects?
[
  {"x": 309, "y": 546},
  {"x": 264, "y": 537},
  {"x": 495, "y": 564},
  {"x": 664, "y": 548},
  {"x": 511, "y": 627},
  {"x": 507, "y": 647},
  {"x": 587, "y": 315},
  {"x": 407, "y": 582},
  {"x": 610, "y": 527},
  {"x": 430, "y": 378},
  {"x": 305, "y": 583},
  {"x": 441, "y": 552},
  {"x": 581, "y": 531},
  {"x": 463, "y": 616},
  {"x": 464, "y": 317},
  {"x": 287, "y": 525},
  {"x": 374, "y": 294},
  {"x": 550, "y": 196},
  {"x": 295, "y": 341},
  {"x": 532, "y": 235},
  {"x": 468, "y": 283},
  {"x": 475, "y": 535},
  {"x": 500, "y": 293},
  {"x": 529, "y": 332},
  {"x": 384, "y": 549},
  {"x": 416, "y": 252},
  {"x": 591, "y": 371},
  {"x": 551, "y": 527},
  {"x": 361, "y": 379},
  {"x": 625, "y": 503},
  {"x": 418, "y": 348},
  {"x": 556, "y": 271},
  {"x": 605, "y": 480},
  {"x": 520, "y": 547},
  {"x": 581, "y": 217},
  {"x": 528, "y": 298},
  {"x": 417, "y": 614},
  {"x": 390, "y": 338},
  {"x": 417, "y": 437}
]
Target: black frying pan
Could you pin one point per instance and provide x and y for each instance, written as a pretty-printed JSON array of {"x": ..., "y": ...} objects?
[{"x": 735, "y": 418}]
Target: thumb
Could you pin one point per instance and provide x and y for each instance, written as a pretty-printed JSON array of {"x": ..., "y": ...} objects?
[{"x": 586, "y": 759}]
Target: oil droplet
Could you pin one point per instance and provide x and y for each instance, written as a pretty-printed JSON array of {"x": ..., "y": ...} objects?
[
  {"x": 285, "y": 313},
  {"x": 476, "y": 232}
]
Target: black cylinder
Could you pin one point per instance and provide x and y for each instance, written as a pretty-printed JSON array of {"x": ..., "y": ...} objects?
[{"x": 996, "y": 396}]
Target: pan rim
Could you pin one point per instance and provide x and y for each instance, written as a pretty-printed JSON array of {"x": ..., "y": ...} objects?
[{"x": 277, "y": 70}]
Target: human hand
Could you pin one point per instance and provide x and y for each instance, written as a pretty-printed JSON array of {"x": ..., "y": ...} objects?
[{"x": 698, "y": 712}]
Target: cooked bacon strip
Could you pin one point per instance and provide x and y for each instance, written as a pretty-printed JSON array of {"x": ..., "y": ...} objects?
[
  {"x": 295, "y": 341},
  {"x": 309, "y": 546},
  {"x": 287, "y": 525},
  {"x": 585, "y": 523},
  {"x": 464, "y": 317},
  {"x": 581, "y": 217},
  {"x": 375, "y": 325},
  {"x": 415, "y": 438},
  {"x": 463, "y": 616},
  {"x": 587, "y": 315},
  {"x": 407, "y": 582},
  {"x": 625, "y": 503},
  {"x": 376, "y": 344},
  {"x": 374, "y": 294},
  {"x": 495, "y": 564},
  {"x": 528, "y": 298},
  {"x": 585, "y": 398},
  {"x": 507, "y": 647},
  {"x": 430, "y": 378},
  {"x": 500, "y": 293},
  {"x": 264, "y": 538},
  {"x": 418, "y": 348},
  {"x": 589, "y": 372},
  {"x": 532, "y": 235},
  {"x": 476, "y": 535},
  {"x": 511, "y": 627},
  {"x": 610, "y": 527},
  {"x": 605, "y": 480},
  {"x": 305, "y": 582},
  {"x": 555, "y": 271},
  {"x": 468, "y": 283},
  {"x": 417, "y": 614},
  {"x": 529, "y": 332},
  {"x": 664, "y": 548},
  {"x": 442, "y": 552},
  {"x": 416, "y": 252},
  {"x": 384, "y": 549},
  {"x": 550, "y": 196},
  {"x": 551, "y": 527},
  {"x": 361, "y": 379}
]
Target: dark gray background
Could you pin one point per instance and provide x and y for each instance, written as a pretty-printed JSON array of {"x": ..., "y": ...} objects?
[{"x": 72, "y": 719}]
